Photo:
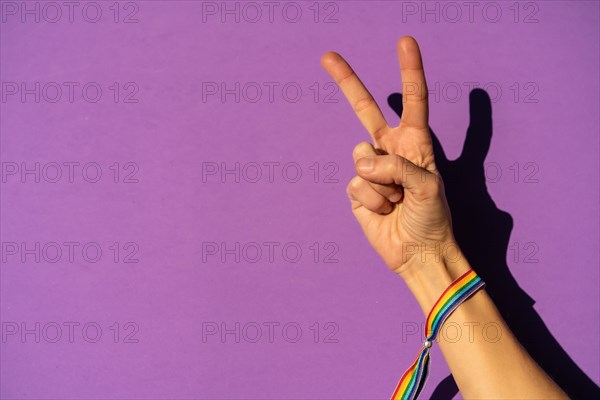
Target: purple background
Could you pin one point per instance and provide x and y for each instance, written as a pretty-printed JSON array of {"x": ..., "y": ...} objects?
[{"x": 170, "y": 132}]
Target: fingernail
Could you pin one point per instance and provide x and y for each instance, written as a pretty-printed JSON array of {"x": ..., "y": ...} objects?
[
  {"x": 394, "y": 198},
  {"x": 365, "y": 164}
]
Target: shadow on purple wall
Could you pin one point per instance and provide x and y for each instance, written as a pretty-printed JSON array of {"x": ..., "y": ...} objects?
[{"x": 483, "y": 233}]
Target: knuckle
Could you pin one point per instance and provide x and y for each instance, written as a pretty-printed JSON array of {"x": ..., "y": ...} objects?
[
  {"x": 348, "y": 76},
  {"x": 395, "y": 165},
  {"x": 381, "y": 206},
  {"x": 395, "y": 168},
  {"x": 354, "y": 185},
  {"x": 380, "y": 203},
  {"x": 361, "y": 149},
  {"x": 395, "y": 195},
  {"x": 363, "y": 104},
  {"x": 389, "y": 169}
]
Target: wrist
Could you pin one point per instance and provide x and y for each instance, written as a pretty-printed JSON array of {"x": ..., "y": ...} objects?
[{"x": 428, "y": 275}]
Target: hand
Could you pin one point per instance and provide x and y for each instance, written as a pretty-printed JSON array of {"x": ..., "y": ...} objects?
[{"x": 398, "y": 195}]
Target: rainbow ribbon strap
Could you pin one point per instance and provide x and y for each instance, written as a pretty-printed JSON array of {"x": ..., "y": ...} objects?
[{"x": 414, "y": 378}]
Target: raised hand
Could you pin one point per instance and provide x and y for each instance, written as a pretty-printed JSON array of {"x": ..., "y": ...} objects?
[
  {"x": 398, "y": 195},
  {"x": 399, "y": 200}
]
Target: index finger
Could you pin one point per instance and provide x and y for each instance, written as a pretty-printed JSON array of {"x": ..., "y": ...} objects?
[{"x": 356, "y": 93}]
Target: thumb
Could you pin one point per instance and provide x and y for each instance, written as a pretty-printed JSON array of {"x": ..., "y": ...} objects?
[{"x": 394, "y": 169}]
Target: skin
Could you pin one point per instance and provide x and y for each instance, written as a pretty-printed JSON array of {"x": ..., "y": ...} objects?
[{"x": 398, "y": 199}]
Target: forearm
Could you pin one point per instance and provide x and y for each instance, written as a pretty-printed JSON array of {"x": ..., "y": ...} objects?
[
  {"x": 398, "y": 197},
  {"x": 485, "y": 358}
]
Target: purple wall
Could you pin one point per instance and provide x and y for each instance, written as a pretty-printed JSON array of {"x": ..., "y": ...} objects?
[{"x": 163, "y": 104}]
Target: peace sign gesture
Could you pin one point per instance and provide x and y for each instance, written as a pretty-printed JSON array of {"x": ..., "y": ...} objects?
[{"x": 397, "y": 195}]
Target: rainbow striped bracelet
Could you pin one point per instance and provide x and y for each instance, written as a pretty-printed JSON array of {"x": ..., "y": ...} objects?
[{"x": 414, "y": 378}]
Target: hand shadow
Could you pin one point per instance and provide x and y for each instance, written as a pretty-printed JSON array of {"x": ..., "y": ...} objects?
[{"x": 483, "y": 233}]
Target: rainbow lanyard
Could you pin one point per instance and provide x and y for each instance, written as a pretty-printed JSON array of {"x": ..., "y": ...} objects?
[{"x": 414, "y": 378}]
